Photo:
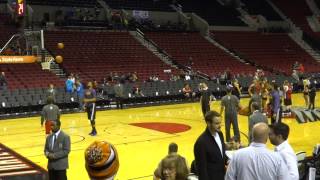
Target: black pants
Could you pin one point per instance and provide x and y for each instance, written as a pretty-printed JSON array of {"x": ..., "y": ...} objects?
[
  {"x": 232, "y": 119},
  {"x": 91, "y": 112},
  {"x": 311, "y": 103},
  {"x": 119, "y": 101},
  {"x": 205, "y": 109},
  {"x": 57, "y": 174},
  {"x": 277, "y": 118}
]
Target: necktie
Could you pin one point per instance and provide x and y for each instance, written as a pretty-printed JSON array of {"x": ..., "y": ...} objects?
[{"x": 53, "y": 141}]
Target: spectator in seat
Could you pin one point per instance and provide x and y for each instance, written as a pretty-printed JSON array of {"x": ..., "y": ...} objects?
[
  {"x": 3, "y": 81},
  {"x": 134, "y": 77},
  {"x": 52, "y": 92},
  {"x": 136, "y": 91},
  {"x": 187, "y": 92}
]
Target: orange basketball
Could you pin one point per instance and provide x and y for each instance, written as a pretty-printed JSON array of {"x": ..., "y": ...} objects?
[
  {"x": 101, "y": 160},
  {"x": 60, "y": 45},
  {"x": 59, "y": 59}
]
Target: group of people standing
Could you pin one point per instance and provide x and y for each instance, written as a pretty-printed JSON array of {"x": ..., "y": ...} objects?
[{"x": 252, "y": 162}]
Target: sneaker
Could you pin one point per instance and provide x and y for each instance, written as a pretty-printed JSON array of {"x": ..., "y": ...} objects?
[{"x": 94, "y": 133}]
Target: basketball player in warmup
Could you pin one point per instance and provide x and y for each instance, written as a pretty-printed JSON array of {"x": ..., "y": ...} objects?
[
  {"x": 50, "y": 112},
  {"x": 90, "y": 106}
]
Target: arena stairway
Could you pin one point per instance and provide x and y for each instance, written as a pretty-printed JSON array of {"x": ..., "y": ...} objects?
[{"x": 13, "y": 166}]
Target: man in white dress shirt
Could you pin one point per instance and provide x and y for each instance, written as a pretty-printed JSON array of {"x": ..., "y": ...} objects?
[
  {"x": 256, "y": 162},
  {"x": 278, "y": 136}
]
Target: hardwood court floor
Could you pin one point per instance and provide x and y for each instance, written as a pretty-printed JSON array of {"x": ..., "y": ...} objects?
[{"x": 140, "y": 149}]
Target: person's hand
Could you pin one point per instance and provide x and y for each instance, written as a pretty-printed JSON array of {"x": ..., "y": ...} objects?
[{"x": 50, "y": 156}]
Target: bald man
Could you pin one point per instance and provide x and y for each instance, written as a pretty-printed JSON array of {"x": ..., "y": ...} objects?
[{"x": 256, "y": 161}]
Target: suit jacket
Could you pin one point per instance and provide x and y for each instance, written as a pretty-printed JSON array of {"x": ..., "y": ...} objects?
[
  {"x": 61, "y": 149},
  {"x": 256, "y": 117},
  {"x": 210, "y": 164}
]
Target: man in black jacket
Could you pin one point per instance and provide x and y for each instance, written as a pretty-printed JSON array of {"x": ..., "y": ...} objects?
[{"x": 209, "y": 150}]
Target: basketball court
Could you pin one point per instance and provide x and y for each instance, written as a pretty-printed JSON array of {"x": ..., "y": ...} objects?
[{"x": 140, "y": 135}]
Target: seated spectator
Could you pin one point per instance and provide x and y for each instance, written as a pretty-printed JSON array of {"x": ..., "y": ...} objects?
[
  {"x": 101, "y": 161},
  {"x": 137, "y": 92},
  {"x": 187, "y": 91},
  {"x": 187, "y": 77},
  {"x": 52, "y": 92},
  {"x": 134, "y": 77},
  {"x": 3, "y": 81},
  {"x": 155, "y": 78}
]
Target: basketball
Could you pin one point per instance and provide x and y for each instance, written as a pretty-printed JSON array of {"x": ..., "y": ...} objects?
[
  {"x": 101, "y": 160},
  {"x": 59, "y": 59},
  {"x": 60, "y": 45}
]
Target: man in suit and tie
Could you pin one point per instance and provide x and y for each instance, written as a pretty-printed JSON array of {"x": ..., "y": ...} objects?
[
  {"x": 56, "y": 150},
  {"x": 209, "y": 150},
  {"x": 255, "y": 118}
]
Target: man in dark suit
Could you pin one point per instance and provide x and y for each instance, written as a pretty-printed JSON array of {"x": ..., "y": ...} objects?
[
  {"x": 56, "y": 150},
  {"x": 255, "y": 117},
  {"x": 209, "y": 150}
]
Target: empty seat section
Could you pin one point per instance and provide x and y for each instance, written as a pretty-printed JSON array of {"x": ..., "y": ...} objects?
[
  {"x": 21, "y": 76},
  {"x": 93, "y": 55},
  {"x": 206, "y": 57},
  {"x": 276, "y": 51}
]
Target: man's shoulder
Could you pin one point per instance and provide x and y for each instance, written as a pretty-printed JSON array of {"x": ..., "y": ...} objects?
[
  {"x": 64, "y": 134},
  {"x": 202, "y": 138}
]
